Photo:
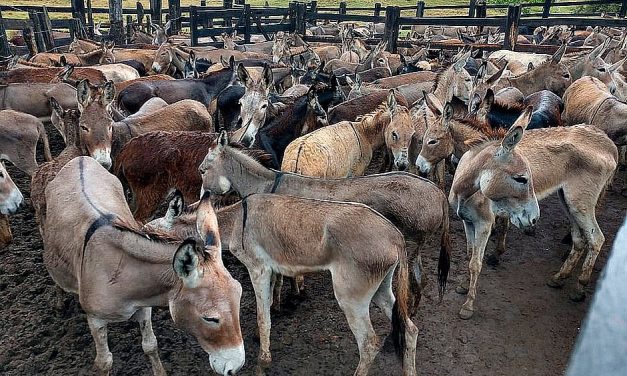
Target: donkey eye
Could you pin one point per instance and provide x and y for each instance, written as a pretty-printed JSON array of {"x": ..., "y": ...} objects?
[
  {"x": 84, "y": 128},
  {"x": 602, "y": 69},
  {"x": 263, "y": 106},
  {"x": 520, "y": 179},
  {"x": 211, "y": 320},
  {"x": 432, "y": 142},
  {"x": 1, "y": 175},
  {"x": 394, "y": 136},
  {"x": 566, "y": 75}
]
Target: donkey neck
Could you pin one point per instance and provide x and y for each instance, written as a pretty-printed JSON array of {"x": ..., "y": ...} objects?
[
  {"x": 528, "y": 82},
  {"x": 444, "y": 85},
  {"x": 463, "y": 136},
  {"x": 370, "y": 129},
  {"x": 247, "y": 175}
]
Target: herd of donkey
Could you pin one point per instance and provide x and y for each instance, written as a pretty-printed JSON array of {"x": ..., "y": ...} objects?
[{"x": 287, "y": 130}]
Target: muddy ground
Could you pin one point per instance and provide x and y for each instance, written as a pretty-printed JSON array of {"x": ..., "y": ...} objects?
[{"x": 521, "y": 327}]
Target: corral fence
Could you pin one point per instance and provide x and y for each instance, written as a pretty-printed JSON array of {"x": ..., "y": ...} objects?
[{"x": 205, "y": 23}]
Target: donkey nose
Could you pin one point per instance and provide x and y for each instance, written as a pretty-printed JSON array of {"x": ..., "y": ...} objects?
[
  {"x": 533, "y": 221},
  {"x": 402, "y": 166}
]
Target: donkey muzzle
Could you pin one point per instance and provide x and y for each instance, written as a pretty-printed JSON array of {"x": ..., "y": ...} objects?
[
  {"x": 103, "y": 156},
  {"x": 228, "y": 361}
]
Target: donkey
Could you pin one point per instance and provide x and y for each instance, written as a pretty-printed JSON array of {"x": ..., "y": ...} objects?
[
  {"x": 19, "y": 135},
  {"x": 203, "y": 90},
  {"x": 254, "y": 103},
  {"x": 86, "y": 134},
  {"x": 34, "y": 98},
  {"x": 346, "y": 148},
  {"x": 228, "y": 167},
  {"x": 153, "y": 163},
  {"x": 506, "y": 178},
  {"x": 589, "y": 101},
  {"x": 338, "y": 234},
  {"x": 120, "y": 272},
  {"x": 51, "y": 75}
]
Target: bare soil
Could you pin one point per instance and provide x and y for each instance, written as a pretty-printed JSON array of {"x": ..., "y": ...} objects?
[{"x": 521, "y": 326}]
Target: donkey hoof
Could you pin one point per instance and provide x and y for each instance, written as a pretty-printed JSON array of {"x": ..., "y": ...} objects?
[
  {"x": 465, "y": 313},
  {"x": 462, "y": 289},
  {"x": 264, "y": 360},
  {"x": 577, "y": 295},
  {"x": 555, "y": 283},
  {"x": 492, "y": 260}
]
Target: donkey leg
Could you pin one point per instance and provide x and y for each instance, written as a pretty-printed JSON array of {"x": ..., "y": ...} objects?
[
  {"x": 5, "y": 231},
  {"x": 149, "y": 341},
  {"x": 411, "y": 340},
  {"x": 500, "y": 230},
  {"x": 482, "y": 233},
  {"x": 384, "y": 297},
  {"x": 594, "y": 241},
  {"x": 277, "y": 286},
  {"x": 104, "y": 358},
  {"x": 469, "y": 230},
  {"x": 262, "y": 284}
]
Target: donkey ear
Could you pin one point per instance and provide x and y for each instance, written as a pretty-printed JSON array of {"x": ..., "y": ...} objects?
[
  {"x": 391, "y": 102},
  {"x": 495, "y": 77},
  {"x": 530, "y": 66},
  {"x": 55, "y": 106},
  {"x": 433, "y": 104},
  {"x": 186, "y": 263},
  {"x": 243, "y": 76},
  {"x": 207, "y": 223},
  {"x": 515, "y": 132},
  {"x": 598, "y": 50},
  {"x": 232, "y": 62},
  {"x": 83, "y": 92},
  {"x": 614, "y": 67},
  {"x": 475, "y": 101},
  {"x": 448, "y": 112},
  {"x": 176, "y": 205},
  {"x": 268, "y": 80},
  {"x": 558, "y": 54},
  {"x": 108, "y": 92},
  {"x": 488, "y": 99},
  {"x": 223, "y": 139}
]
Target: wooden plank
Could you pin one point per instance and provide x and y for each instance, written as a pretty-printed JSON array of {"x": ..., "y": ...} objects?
[
  {"x": 39, "y": 42},
  {"x": 546, "y": 8},
  {"x": 471, "y": 8},
  {"x": 46, "y": 28},
  {"x": 623, "y": 9},
  {"x": 453, "y": 21},
  {"x": 155, "y": 11},
  {"x": 392, "y": 15},
  {"x": 116, "y": 29},
  {"x": 247, "y": 21},
  {"x": 16, "y": 24},
  {"x": 193, "y": 25},
  {"x": 313, "y": 9},
  {"x": 5, "y": 49},
  {"x": 174, "y": 7},
  {"x": 29, "y": 40},
  {"x": 420, "y": 9},
  {"x": 349, "y": 17}
]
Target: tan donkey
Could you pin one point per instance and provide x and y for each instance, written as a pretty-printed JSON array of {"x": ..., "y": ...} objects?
[
  {"x": 506, "y": 178},
  {"x": 120, "y": 271}
]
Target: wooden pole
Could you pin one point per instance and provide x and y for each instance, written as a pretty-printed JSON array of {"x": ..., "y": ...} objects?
[
  {"x": 480, "y": 12},
  {"x": 78, "y": 10},
  {"x": 129, "y": 28},
  {"x": 377, "y": 9},
  {"x": 116, "y": 31},
  {"x": 155, "y": 11},
  {"x": 511, "y": 27},
  {"x": 471, "y": 8},
  {"x": 175, "y": 16},
  {"x": 39, "y": 42},
  {"x": 5, "y": 49},
  {"x": 227, "y": 4},
  {"x": 140, "y": 14},
  {"x": 247, "y": 20},
  {"x": 420, "y": 9},
  {"x": 314, "y": 10},
  {"x": 29, "y": 39},
  {"x": 392, "y": 15},
  {"x": 623, "y": 9},
  {"x": 90, "y": 19},
  {"x": 342, "y": 9},
  {"x": 46, "y": 28},
  {"x": 193, "y": 25},
  {"x": 546, "y": 9}
]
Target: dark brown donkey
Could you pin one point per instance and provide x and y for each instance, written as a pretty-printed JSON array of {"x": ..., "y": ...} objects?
[{"x": 415, "y": 205}]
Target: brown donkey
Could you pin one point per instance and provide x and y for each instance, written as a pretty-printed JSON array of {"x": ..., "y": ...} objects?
[
  {"x": 507, "y": 179},
  {"x": 228, "y": 168},
  {"x": 19, "y": 135},
  {"x": 346, "y": 148},
  {"x": 120, "y": 271},
  {"x": 10, "y": 200}
]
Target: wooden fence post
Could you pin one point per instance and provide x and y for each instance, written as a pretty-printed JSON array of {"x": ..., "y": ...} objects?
[
  {"x": 29, "y": 39},
  {"x": 511, "y": 27},
  {"x": 291, "y": 12},
  {"x": 227, "y": 4},
  {"x": 5, "y": 49},
  {"x": 342, "y": 7},
  {"x": 78, "y": 10},
  {"x": 155, "y": 11},
  {"x": 90, "y": 19},
  {"x": 193, "y": 25},
  {"x": 140, "y": 14},
  {"x": 116, "y": 30},
  {"x": 248, "y": 15},
  {"x": 471, "y": 8},
  {"x": 377, "y": 9},
  {"x": 129, "y": 28},
  {"x": 480, "y": 12},
  {"x": 313, "y": 9},
  {"x": 46, "y": 28},
  {"x": 301, "y": 22},
  {"x": 392, "y": 15},
  {"x": 420, "y": 9},
  {"x": 623, "y": 9},
  {"x": 175, "y": 16},
  {"x": 546, "y": 9},
  {"x": 39, "y": 41}
]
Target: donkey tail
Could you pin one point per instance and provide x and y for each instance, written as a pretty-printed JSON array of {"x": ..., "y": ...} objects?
[
  {"x": 44, "y": 139},
  {"x": 400, "y": 311},
  {"x": 444, "y": 259}
]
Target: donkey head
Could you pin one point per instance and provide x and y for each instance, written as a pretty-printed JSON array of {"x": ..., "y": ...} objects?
[
  {"x": 190, "y": 70},
  {"x": 10, "y": 196},
  {"x": 462, "y": 82},
  {"x": 107, "y": 56},
  {"x": 316, "y": 116},
  {"x": 399, "y": 132},
  {"x": 212, "y": 168},
  {"x": 553, "y": 73},
  {"x": 254, "y": 103},
  {"x": 502, "y": 174},
  {"x": 95, "y": 120},
  {"x": 208, "y": 303},
  {"x": 280, "y": 48},
  {"x": 229, "y": 40},
  {"x": 163, "y": 58},
  {"x": 160, "y": 34},
  {"x": 437, "y": 142}
]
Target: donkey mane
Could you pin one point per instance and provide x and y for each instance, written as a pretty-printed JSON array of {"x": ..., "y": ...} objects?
[
  {"x": 509, "y": 106},
  {"x": 380, "y": 109},
  {"x": 258, "y": 155},
  {"x": 145, "y": 232},
  {"x": 491, "y": 134},
  {"x": 440, "y": 74}
]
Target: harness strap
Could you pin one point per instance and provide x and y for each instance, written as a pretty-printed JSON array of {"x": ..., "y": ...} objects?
[
  {"x": 278, "y": 175},
  {"x": 358, "y": 141},
  {"x": 103, "y": 220},
  {"x": 596, "y": 111}
]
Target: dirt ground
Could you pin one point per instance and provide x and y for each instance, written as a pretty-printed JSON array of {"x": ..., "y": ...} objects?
[{"x": 521, "y": 326}]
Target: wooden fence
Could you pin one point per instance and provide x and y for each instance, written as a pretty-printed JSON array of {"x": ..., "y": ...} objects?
[{"x": 205, "y": 23}]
